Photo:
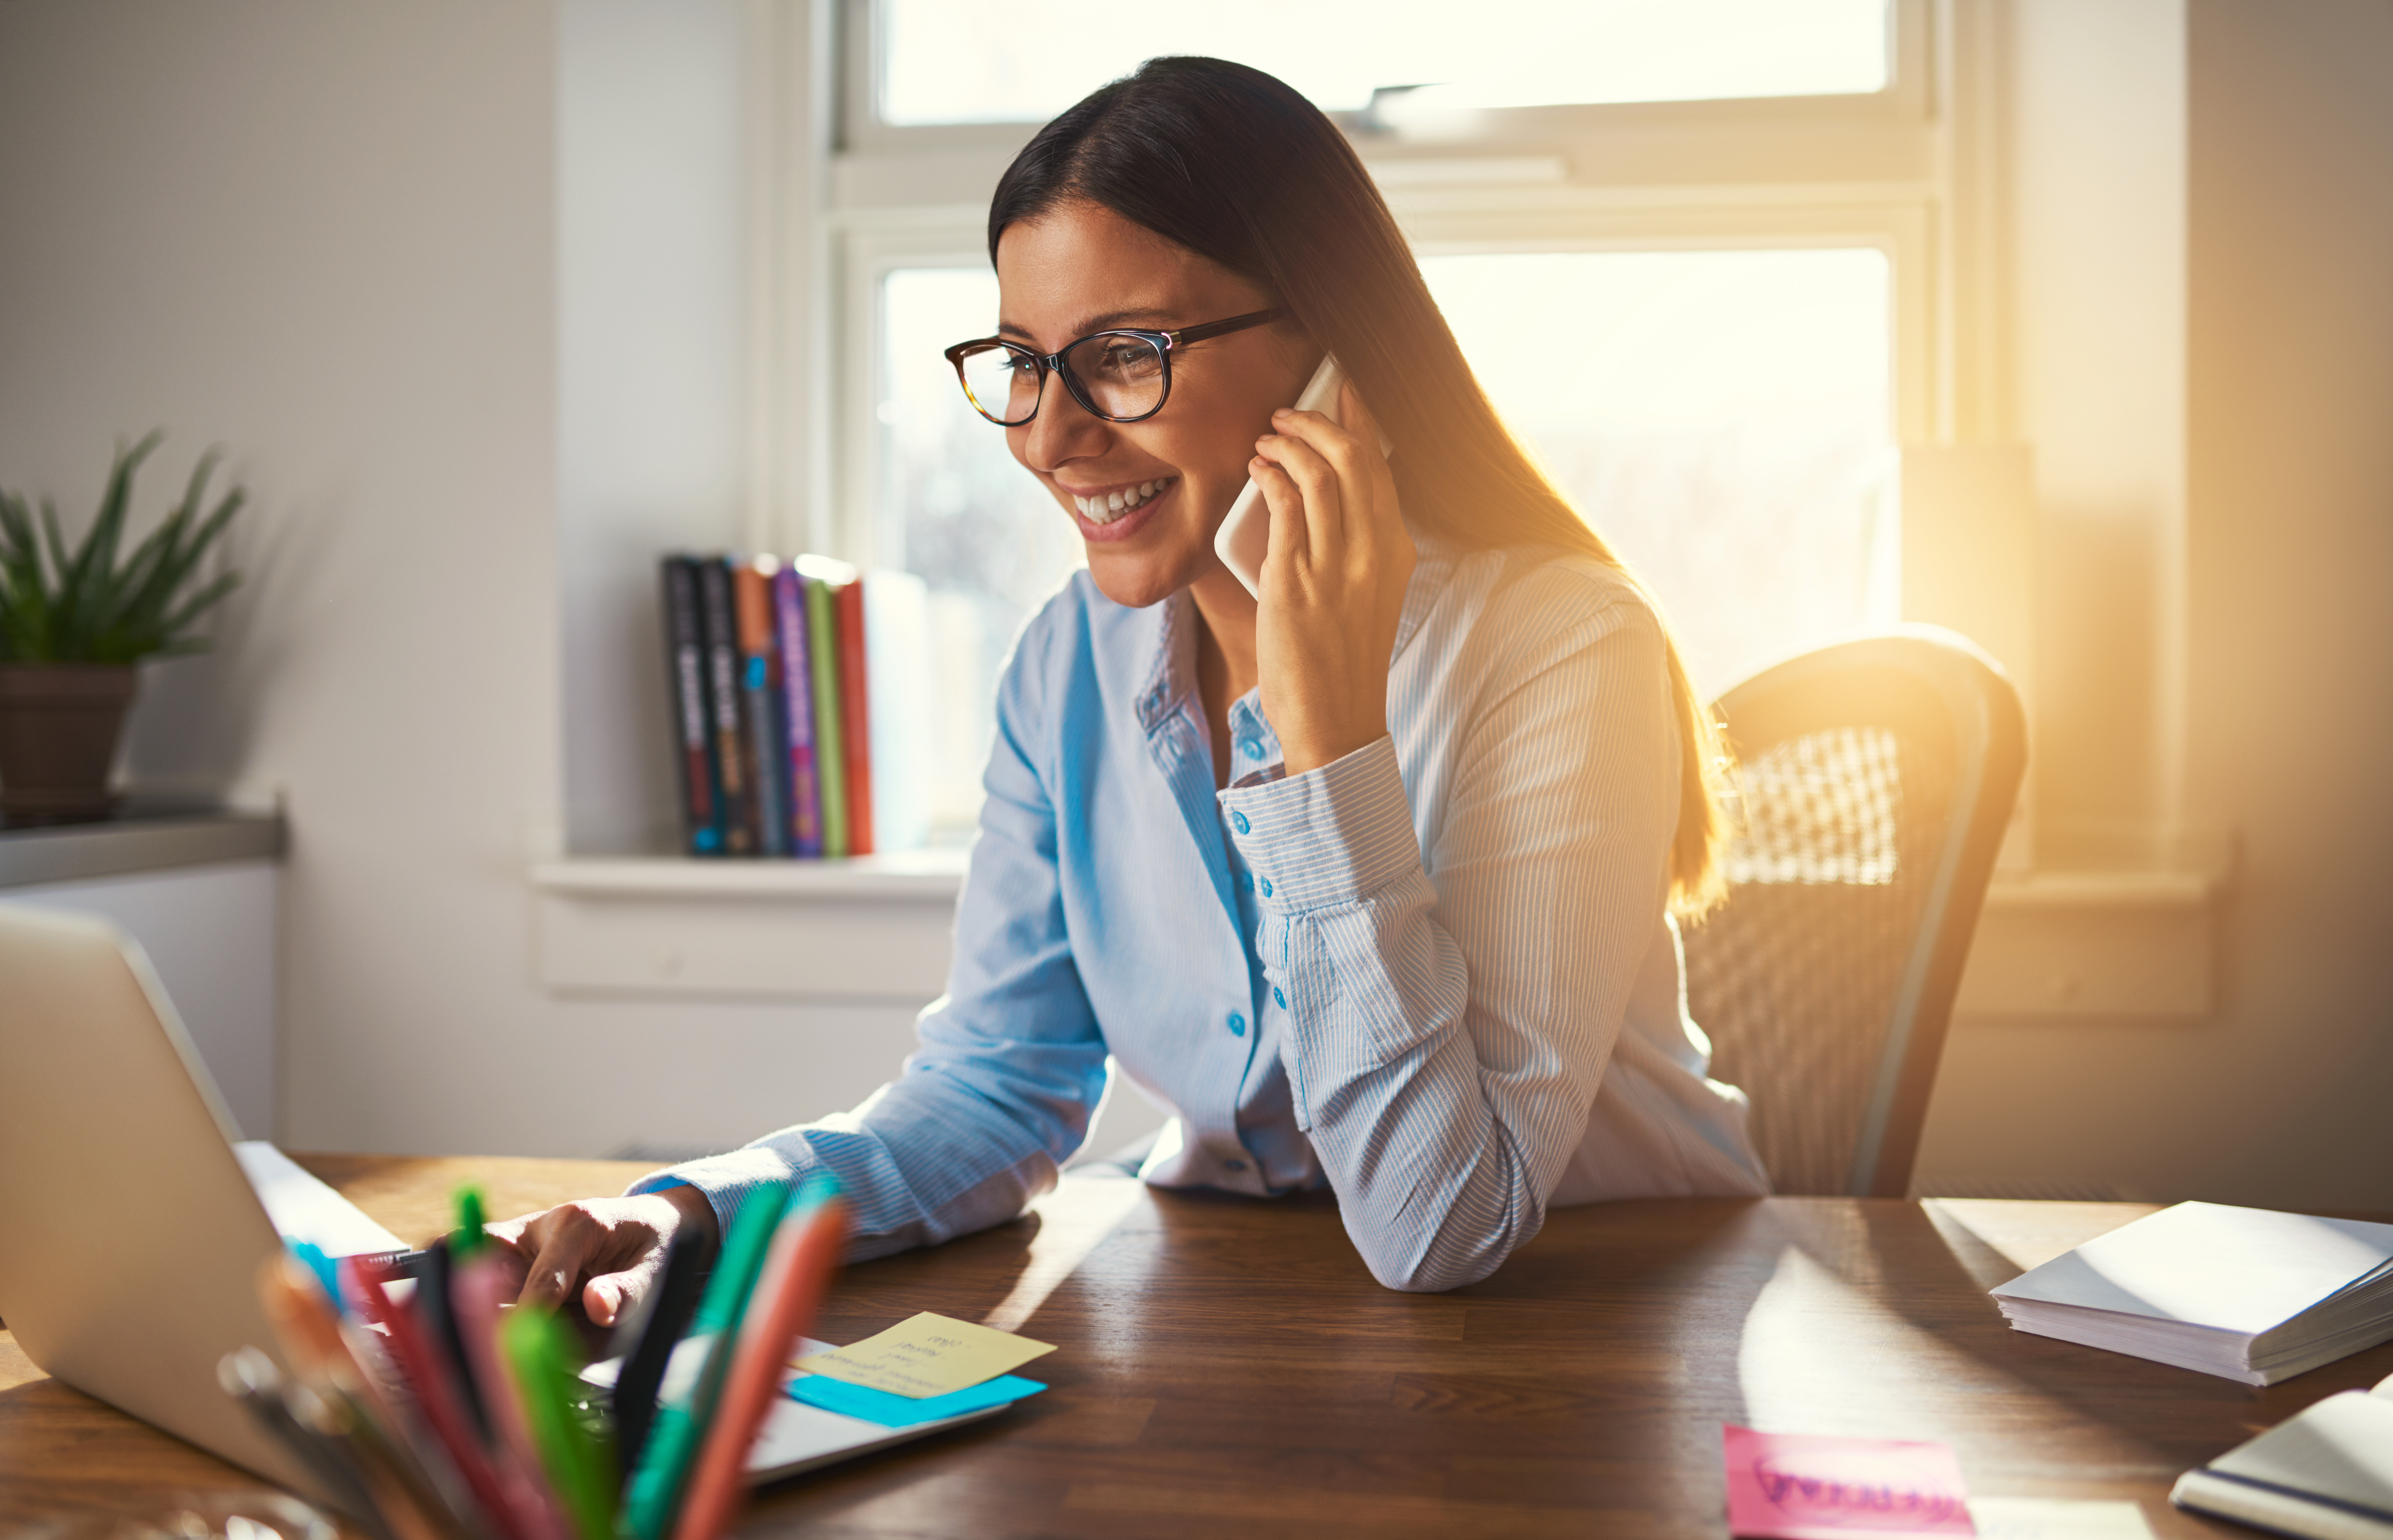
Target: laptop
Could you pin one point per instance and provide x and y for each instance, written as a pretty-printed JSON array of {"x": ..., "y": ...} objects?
[{"x": 137, "y": 1219}]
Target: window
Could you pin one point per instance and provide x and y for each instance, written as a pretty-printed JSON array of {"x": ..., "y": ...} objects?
[
  {"x": 966, "y": 61},
  {"x": 1721, "y": 418},
  {"x": 1760, "y": 292},
  {"x": 955, "y": 509}
]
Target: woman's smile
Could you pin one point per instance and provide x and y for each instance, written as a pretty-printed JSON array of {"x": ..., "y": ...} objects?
[{"x": 1115, "y": 510}]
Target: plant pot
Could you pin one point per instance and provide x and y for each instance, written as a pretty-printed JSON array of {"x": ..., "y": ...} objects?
[{"x": 58, "y": 728}]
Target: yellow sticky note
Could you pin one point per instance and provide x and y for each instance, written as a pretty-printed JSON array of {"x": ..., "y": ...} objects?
[{"x": 930, "y": 1355}]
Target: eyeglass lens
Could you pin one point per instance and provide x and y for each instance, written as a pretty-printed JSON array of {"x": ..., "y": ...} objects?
[{"x": 1115, "y": 376}]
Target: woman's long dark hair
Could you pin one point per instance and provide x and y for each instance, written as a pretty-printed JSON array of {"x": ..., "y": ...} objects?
[{"x": 1233, "y": 165}]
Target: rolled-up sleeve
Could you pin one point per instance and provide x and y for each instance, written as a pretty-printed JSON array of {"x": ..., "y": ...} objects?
[
  {"x": 1448, "y": 1014},
  {"x": 1011, "y": 1063}
]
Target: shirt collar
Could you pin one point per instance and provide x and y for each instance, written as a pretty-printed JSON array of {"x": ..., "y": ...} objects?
[{"x": 1172, "y": 667}]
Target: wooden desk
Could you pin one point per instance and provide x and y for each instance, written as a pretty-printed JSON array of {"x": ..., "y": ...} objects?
[{"x": 1228, "y": 1366}]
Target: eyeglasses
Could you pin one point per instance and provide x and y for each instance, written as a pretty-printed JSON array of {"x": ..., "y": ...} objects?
[{"x": 1123, "y": 376}]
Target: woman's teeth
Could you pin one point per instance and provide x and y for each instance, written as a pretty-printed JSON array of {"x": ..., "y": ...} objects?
[{"x": 1109, "y": 506}]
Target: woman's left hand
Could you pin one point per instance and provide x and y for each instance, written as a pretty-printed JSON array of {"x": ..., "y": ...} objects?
[{"x": 1333, "y": 583}]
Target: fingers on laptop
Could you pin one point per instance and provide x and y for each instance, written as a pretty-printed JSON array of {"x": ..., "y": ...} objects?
[{"x": 603, "y": 1240}]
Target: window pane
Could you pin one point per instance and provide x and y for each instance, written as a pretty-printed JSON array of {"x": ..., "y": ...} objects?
[
  {"x": 1721, "y": 417},
  {"x": 1025, "y": 60},
  {"x": 955, "y": 509}
]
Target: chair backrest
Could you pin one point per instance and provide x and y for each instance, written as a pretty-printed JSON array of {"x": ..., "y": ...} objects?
[{"x": 1875, "y": 779}]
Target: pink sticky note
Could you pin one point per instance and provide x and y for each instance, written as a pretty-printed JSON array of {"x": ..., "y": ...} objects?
[{"x": 1797, "y": 1487}]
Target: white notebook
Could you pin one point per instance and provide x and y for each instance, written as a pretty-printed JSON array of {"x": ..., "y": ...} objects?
[
  {"x": 2326, "y": 1474},
  {"x": 303, "y": 1208},
  {"x": 2249, "y": 1294}
]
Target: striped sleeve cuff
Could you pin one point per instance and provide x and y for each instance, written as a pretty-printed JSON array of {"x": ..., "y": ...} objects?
[
  {"x": 724, "y": 1180},
  {"x": 1330, "y": 836}
]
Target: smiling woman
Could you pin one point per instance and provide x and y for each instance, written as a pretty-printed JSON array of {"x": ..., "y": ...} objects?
[{"x": 1369, "y": 874}]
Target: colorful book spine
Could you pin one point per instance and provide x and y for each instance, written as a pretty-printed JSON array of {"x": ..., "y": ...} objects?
[
  {"x": 855, "y": 725},
  {"x": 830, "y": 756},
  {"x": 701, "y": 798},
  {"x": 722, "y": 699},
  {"x": 760, "y": 722},
  {"x": 797, "y": 713}
]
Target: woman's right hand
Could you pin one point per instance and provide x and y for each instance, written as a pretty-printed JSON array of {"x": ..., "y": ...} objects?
[{"x": 608, "y": 1249}]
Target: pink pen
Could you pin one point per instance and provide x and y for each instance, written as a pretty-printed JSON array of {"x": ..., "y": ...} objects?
[{"x": 477, "y": 1287}]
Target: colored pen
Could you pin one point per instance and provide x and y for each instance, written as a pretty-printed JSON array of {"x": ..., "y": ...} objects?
[
  {"x": 681, "y": 1418},
  {"x": 805, "y": 1251},
  {"x": 446, "y": 1425},
  {"x": 435, "y": 1308},
  {"x": 321, "y": 1355},
  {"x": 477, "y": 1289},
  {"x": 581, "y": 1468},
  {"x": 646, "y": 1339}
]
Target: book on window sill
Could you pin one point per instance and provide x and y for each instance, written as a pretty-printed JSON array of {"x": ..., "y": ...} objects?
[
  {"x": 733, "y": 770},
  {"x": 760, "y": 714},
  {"x": 797, "y": 713},
  {"x": 701, "y": 791},
  {"x": 2325, "y": 1474}
]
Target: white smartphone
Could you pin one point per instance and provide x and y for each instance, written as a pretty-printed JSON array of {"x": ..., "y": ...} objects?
[{"x": 1245, "y": 534}]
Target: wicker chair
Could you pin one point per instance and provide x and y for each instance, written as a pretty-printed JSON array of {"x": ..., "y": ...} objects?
[{"x": 1875, "y": 779}]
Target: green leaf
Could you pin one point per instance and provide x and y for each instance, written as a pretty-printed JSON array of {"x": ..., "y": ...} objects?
[{"x": 96, "y": 602}]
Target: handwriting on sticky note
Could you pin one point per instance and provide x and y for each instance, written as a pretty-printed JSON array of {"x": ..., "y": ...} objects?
[
  {"x": 930, "y": 1355},
  {"x": 1792, "y": 1486}
]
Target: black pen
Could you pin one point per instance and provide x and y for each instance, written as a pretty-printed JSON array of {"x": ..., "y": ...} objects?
[{"x": 647, "y": 1338}]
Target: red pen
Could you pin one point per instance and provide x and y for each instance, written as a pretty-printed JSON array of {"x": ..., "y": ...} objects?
[{"x": 806, "y": 1250}]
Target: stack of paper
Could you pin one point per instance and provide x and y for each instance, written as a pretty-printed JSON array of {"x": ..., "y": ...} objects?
[
  {"x": 2328, "y": 1473},
  {"x": 2242, "y": 1293}
]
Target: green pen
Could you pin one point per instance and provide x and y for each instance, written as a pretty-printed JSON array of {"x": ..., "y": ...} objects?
[
  {"x": 581, "y": 1466},
  {"x": 472, "y": 1213},
  {"x": 654, "y": 1495}
]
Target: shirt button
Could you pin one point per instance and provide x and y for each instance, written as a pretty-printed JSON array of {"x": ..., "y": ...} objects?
[
  {"x": 1252, "y": 747},
  {"x": 1234, "y": 1165},
  {"x": 1247, "y": 881},
  {"x": 1239, "y": 821},
  {"x": 1266, "y": 887},
  {"x": 1277, "y": 998},
  {"x": 1238, "y": 1024}
]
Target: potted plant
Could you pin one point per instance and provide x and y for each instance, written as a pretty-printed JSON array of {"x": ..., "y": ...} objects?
[{"x": 74, "y": 623}]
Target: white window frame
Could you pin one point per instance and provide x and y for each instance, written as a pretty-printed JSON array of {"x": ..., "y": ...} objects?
[{"x": 1889, "y": 170}]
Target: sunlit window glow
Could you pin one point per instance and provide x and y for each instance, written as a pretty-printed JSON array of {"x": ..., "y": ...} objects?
[
  {"x": 955, "y": 508},
  {"x": 951, "y": 61},
  {"x": 1722, "y": 418}
]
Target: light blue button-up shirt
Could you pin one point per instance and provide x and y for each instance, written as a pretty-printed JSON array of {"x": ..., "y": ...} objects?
[{"x": 1437, "y": 975}]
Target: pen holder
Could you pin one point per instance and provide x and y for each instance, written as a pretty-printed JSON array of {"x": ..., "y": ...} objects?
[{"x": 253, "y": 1515}]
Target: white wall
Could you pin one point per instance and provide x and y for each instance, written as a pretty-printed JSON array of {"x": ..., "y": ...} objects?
[
  {"x": 653, "y": 415},
  {"x": 327, "y": 236},
  {"x": 2097, "y": 218},
  {"x": 2281, "y": 312}
]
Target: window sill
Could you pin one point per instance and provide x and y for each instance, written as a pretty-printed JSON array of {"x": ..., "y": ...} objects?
[
  {"x": 2060, "y": 946},
  {"x": 910, "y": 875},
  {"x": 873, "y": 929},
  {"x": 2052, "y": 945}
]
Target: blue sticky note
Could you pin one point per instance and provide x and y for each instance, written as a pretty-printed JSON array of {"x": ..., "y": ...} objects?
[{"x": 897, "y": 1411}]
